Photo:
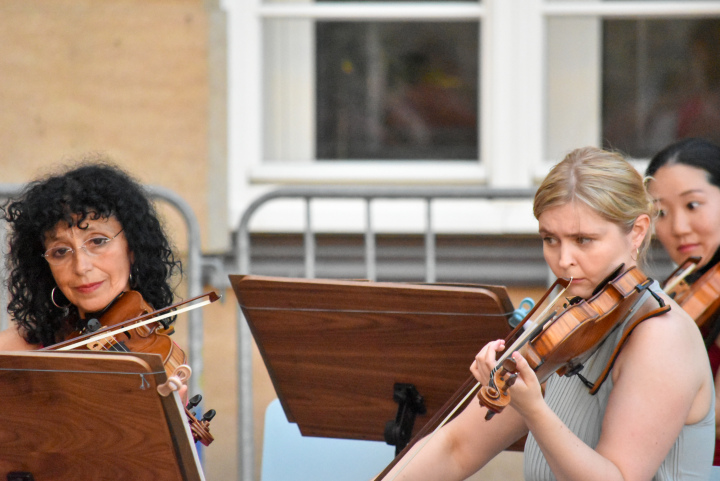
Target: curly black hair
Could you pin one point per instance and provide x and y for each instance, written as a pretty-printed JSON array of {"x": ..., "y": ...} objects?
[{"x": 92, "y": 190}]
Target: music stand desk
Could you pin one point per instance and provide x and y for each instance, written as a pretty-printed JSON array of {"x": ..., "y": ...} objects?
[
  {"x": 83, "y": 415},
  {"x": 335, "y": 349}
]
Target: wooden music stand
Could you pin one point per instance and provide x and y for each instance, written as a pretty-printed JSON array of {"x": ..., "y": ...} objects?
[
  {"x": 335, "y": 349},
  {"x": 83, "y": 415}
]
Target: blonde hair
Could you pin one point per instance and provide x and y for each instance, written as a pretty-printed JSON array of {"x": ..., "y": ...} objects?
[{"x": 602, "y": 180}]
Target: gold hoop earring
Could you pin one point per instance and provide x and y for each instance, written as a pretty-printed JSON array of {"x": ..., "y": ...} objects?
[
  {"x": 52, "y": 299},
  {"x": 637, "y": 254}
]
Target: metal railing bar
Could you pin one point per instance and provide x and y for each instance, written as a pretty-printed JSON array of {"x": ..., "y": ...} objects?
[
  {"x": 430, "y": 248},
  {"x": 193, "y": 274},
  {"x": 309, "y": 240},
  {"x": 370, "y": 247}
]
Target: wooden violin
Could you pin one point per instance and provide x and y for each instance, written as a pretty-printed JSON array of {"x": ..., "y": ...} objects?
[
  {"x": 146, "y": 338},
  {"x": 568, "y": 336},
  {"x": 130, "y": 324},
  {"x": 701, "y": 299},
  {"x": 555, "y": 336}
]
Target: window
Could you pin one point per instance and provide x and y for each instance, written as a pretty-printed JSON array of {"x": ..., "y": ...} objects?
[
  {"x": 397, "y": 90},
  {"x": 630, "y": 76},
  {"x": 661, "y": 83},
  {"x": 491, "y": 92}
]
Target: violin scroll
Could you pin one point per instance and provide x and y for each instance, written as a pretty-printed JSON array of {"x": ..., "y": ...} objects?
[
  {"x": 200, "y": 428},
  {"x": 495, "y": 396}
]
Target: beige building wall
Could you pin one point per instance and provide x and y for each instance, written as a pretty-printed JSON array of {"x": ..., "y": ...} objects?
[
  {"x": 142, "y": 81},
  {"x": 130, "y": 79},
  {"x": 127, "y": 78}
]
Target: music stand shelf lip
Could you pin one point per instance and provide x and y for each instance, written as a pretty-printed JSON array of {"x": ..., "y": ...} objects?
[{"x": 303, "y": 349}]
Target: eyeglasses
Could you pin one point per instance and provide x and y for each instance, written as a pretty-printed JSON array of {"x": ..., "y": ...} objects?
[{"x": 95, "y": 246}]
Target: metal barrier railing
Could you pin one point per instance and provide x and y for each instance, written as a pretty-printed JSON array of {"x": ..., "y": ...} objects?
[
  {"x": 246, "y": 449},
  {"x": 192, "y": 271}
]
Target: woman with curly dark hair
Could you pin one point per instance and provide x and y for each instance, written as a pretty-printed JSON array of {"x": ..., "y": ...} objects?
[{"x": 78, "y": 240}]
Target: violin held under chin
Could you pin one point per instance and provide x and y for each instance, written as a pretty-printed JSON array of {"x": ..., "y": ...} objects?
[
  {"x": 701, "y": 299},
  {"x": 568, "y": 331},
  {"x": 130, "y": 324}
]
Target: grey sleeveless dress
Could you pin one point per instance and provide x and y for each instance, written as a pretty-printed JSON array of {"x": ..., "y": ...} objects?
[{"x": 690, "y": 458}]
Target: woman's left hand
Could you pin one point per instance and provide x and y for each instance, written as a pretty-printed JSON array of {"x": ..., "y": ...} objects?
[{"x": 526, "y": 394}]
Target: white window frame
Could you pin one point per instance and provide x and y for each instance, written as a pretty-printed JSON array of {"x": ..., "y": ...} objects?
[
  {"x": 513, "y": 90},
  {"x": 598, "y": 10}
]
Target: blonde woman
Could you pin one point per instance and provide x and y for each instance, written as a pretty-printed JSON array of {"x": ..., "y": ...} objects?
[{"x": 652, "y": 418}]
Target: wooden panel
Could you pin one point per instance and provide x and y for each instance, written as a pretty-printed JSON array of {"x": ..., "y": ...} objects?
[
  {"x": 72, "y": 416},
  {"x": 334, "y": 349}
]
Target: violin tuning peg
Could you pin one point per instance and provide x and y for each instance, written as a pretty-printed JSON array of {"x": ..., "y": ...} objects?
[
  {"x": 510, "y": 381},
  {"x": 509, "y": 365},
  {"x": 193, "y": 401},
  {"x": 209, "y": 415}
]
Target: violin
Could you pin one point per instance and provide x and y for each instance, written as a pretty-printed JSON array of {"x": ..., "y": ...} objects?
[
  {"x": 147, "y": 338},
  {"x": 566, "y": 338},
  {"x": 701, "y": 299},
  {"x": 125, "y": 313},
  {"x": 555, "y": 336}
]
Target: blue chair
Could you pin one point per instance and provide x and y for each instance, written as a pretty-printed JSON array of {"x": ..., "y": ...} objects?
[
  {"x": 715, "y": 473},
  {"x": 289, "y": 456}
]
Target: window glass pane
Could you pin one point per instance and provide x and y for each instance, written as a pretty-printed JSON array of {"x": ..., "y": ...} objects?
[
  {"x": 397, "y": 90},
  {"x": 661, "y": 82}
]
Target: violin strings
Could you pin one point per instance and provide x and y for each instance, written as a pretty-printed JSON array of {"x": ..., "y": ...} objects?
[
  {"x": 108, "y": 345},
  {"x": 529, "y": 331}
]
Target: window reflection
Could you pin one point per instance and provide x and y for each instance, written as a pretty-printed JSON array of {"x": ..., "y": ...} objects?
[
  {"x": 397, "y": 90},
  {"x": 661, "y": 82}
]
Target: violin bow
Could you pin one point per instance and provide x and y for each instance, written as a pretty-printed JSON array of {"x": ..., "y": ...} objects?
[
  {"x": 676, "y": 277},
  {"x": 133, "y": 323}
]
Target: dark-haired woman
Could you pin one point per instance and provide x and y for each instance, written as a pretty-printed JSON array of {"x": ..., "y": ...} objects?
[
  {"x": 78, "y": 240},
  {"x": 684, "y": 180}
]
